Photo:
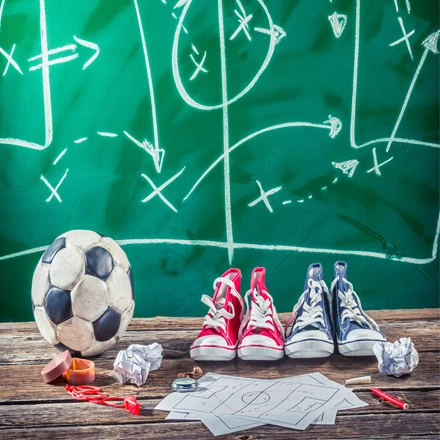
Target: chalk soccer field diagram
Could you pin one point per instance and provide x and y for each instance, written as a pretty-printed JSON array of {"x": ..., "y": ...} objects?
[
  {"x": 245, "y": 30},
  {"x": 291, "y": 402}
]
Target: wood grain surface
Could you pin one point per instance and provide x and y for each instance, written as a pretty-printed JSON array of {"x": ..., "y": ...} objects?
[{"x": 29, "y": 408}]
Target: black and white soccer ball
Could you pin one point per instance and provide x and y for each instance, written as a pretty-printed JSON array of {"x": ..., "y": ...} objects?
[{"x": 83, "y": 293}]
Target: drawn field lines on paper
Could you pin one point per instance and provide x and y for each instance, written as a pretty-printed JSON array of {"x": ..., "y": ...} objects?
[{"x": 427, "y": 42}]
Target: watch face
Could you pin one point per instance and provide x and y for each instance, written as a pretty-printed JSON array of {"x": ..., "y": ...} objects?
[{"x": 184, "y": 384}]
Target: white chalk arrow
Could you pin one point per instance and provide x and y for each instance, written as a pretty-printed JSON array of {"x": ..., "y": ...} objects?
[
  {"x": 157, "y": 154},
  {"x": 277, "y": 32},
  {"x": 430, "y": 44},
  {"x": 65, "y": 59},
  {"x": 335, "y": 126},
  {"x": 347, "y": 167},
  {"x": 90, "y": 45},
  {"x": 338, "y": 22}
]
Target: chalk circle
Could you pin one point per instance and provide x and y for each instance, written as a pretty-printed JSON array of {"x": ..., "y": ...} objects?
[{"x": 256, "y": 398}]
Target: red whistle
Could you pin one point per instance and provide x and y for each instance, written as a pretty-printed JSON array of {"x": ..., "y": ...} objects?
[{"x": 388, "y": 398}]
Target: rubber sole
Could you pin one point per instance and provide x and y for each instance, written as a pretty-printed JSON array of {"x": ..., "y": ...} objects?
[
  {"x": 309, "y": 349},
  {"x": 357, "y": 348},
  {"x": 259, "y": 353},
  {"x": 212, "y": 354}
]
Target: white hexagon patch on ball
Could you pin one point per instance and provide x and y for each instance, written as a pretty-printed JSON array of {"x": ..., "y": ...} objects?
[{"x": 83, "y": 293}]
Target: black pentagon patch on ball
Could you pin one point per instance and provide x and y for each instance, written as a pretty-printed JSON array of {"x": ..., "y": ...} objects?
[
  {"x": 99, "y": 262},
  {"x": 107, "y": 325},
  {"x": 58, "y": 305},
  {"x": 51, "y": 251},
  {"x": 61, "y": 347},
  {"x": 131, "y": 278}
]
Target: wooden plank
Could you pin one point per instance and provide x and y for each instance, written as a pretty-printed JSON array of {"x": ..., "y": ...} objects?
[
  {"x": 24, "y": 382},
  {"x": 21, "y": 348},
  {"x": 173, "y": 323},
  {"x": 369, "y": 426},
  {"x": 37, "y": 415}
]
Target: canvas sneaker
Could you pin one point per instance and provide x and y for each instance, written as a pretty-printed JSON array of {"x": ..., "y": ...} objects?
[
  {"x": 309, "y": 331},
  {"x": 218, "y": 339},
  {"x": 356, "y": 332},
  {"x": 261, "y": 330}
]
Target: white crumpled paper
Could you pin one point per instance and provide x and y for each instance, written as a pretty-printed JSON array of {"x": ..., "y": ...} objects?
[
  {"x": 134, "y": 364},
  {"x": 396, "y": 358}
]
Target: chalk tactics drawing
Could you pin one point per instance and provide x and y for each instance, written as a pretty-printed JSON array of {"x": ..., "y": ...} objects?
[
  {"x": 264, "y": 196},
  {"x": 338, "y": 22},
  {"x": 153, "y": 149},
  {"x": 199, "y": 65},
  {"x": 54, "y": 191},
  {"x": 10, "y": 61},
  {"x": 235, "y": 30},
  {"x": 405, "y": 37},
  {"x": 157, "y": 191},
  {"x": 376, "y": 165},
  {"x": 244, "y": 20},
  {"x": 347, "y": 167}
]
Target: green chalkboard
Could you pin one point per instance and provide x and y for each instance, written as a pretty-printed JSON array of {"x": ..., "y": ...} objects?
[{"x": 205, "y": 134}]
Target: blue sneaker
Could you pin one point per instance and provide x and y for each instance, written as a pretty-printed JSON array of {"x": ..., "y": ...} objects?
[
  {"x": 309, "y": 331},
  {"x": 356, "y": 332}
]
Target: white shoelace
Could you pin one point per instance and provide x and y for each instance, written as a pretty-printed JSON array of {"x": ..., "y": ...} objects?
[
  {"x": 217, "y": 317},
  {"x": 261, "y": 311},
  {"x": 312, "y": 312},
  {"x": 353, "y": 309}
]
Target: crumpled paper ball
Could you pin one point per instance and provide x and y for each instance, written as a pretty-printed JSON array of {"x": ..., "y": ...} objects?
[
  {"x": 396, "y": 359},
  {"x": 134, "y": 364}
]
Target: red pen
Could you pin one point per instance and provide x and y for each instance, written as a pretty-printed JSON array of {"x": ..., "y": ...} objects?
[{"x": 389, "y": 398}]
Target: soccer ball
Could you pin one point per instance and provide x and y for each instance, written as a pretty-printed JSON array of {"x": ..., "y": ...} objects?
[{"x": 83, "y": 293}]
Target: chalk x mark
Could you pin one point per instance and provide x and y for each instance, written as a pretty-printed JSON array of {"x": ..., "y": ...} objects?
[
  {"x": 157, "y": 153},
  {"x": 157, "y": 191},
  {"x": 347, "y": 167},
  {"x": 10, "y": 60},
  {"x": 199, "y": 66},
  {"x": 376, "y": 165},
  {"x": 338, "y": 22},
  {"x": 404, "y": 38},
  {"x": 59, "y": 156},
  {"x": 54, "y": 191},
  {"x": 244, "y": 20},
  {"x": 264, "y": 196}
]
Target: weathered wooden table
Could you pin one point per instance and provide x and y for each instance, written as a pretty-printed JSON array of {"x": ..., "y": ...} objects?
[{"x": 29, "y": 408}]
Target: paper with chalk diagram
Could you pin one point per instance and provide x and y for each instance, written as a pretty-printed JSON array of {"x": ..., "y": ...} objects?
[{"x": 228, "y": 404}]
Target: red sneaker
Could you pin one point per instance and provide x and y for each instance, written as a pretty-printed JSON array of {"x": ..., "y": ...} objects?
[
  {"x": 218, "y": 338},
  {"x": 262, "y": 332}
]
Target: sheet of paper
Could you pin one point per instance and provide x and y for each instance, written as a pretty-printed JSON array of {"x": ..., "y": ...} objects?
[{"x": 287, "y": 402}]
